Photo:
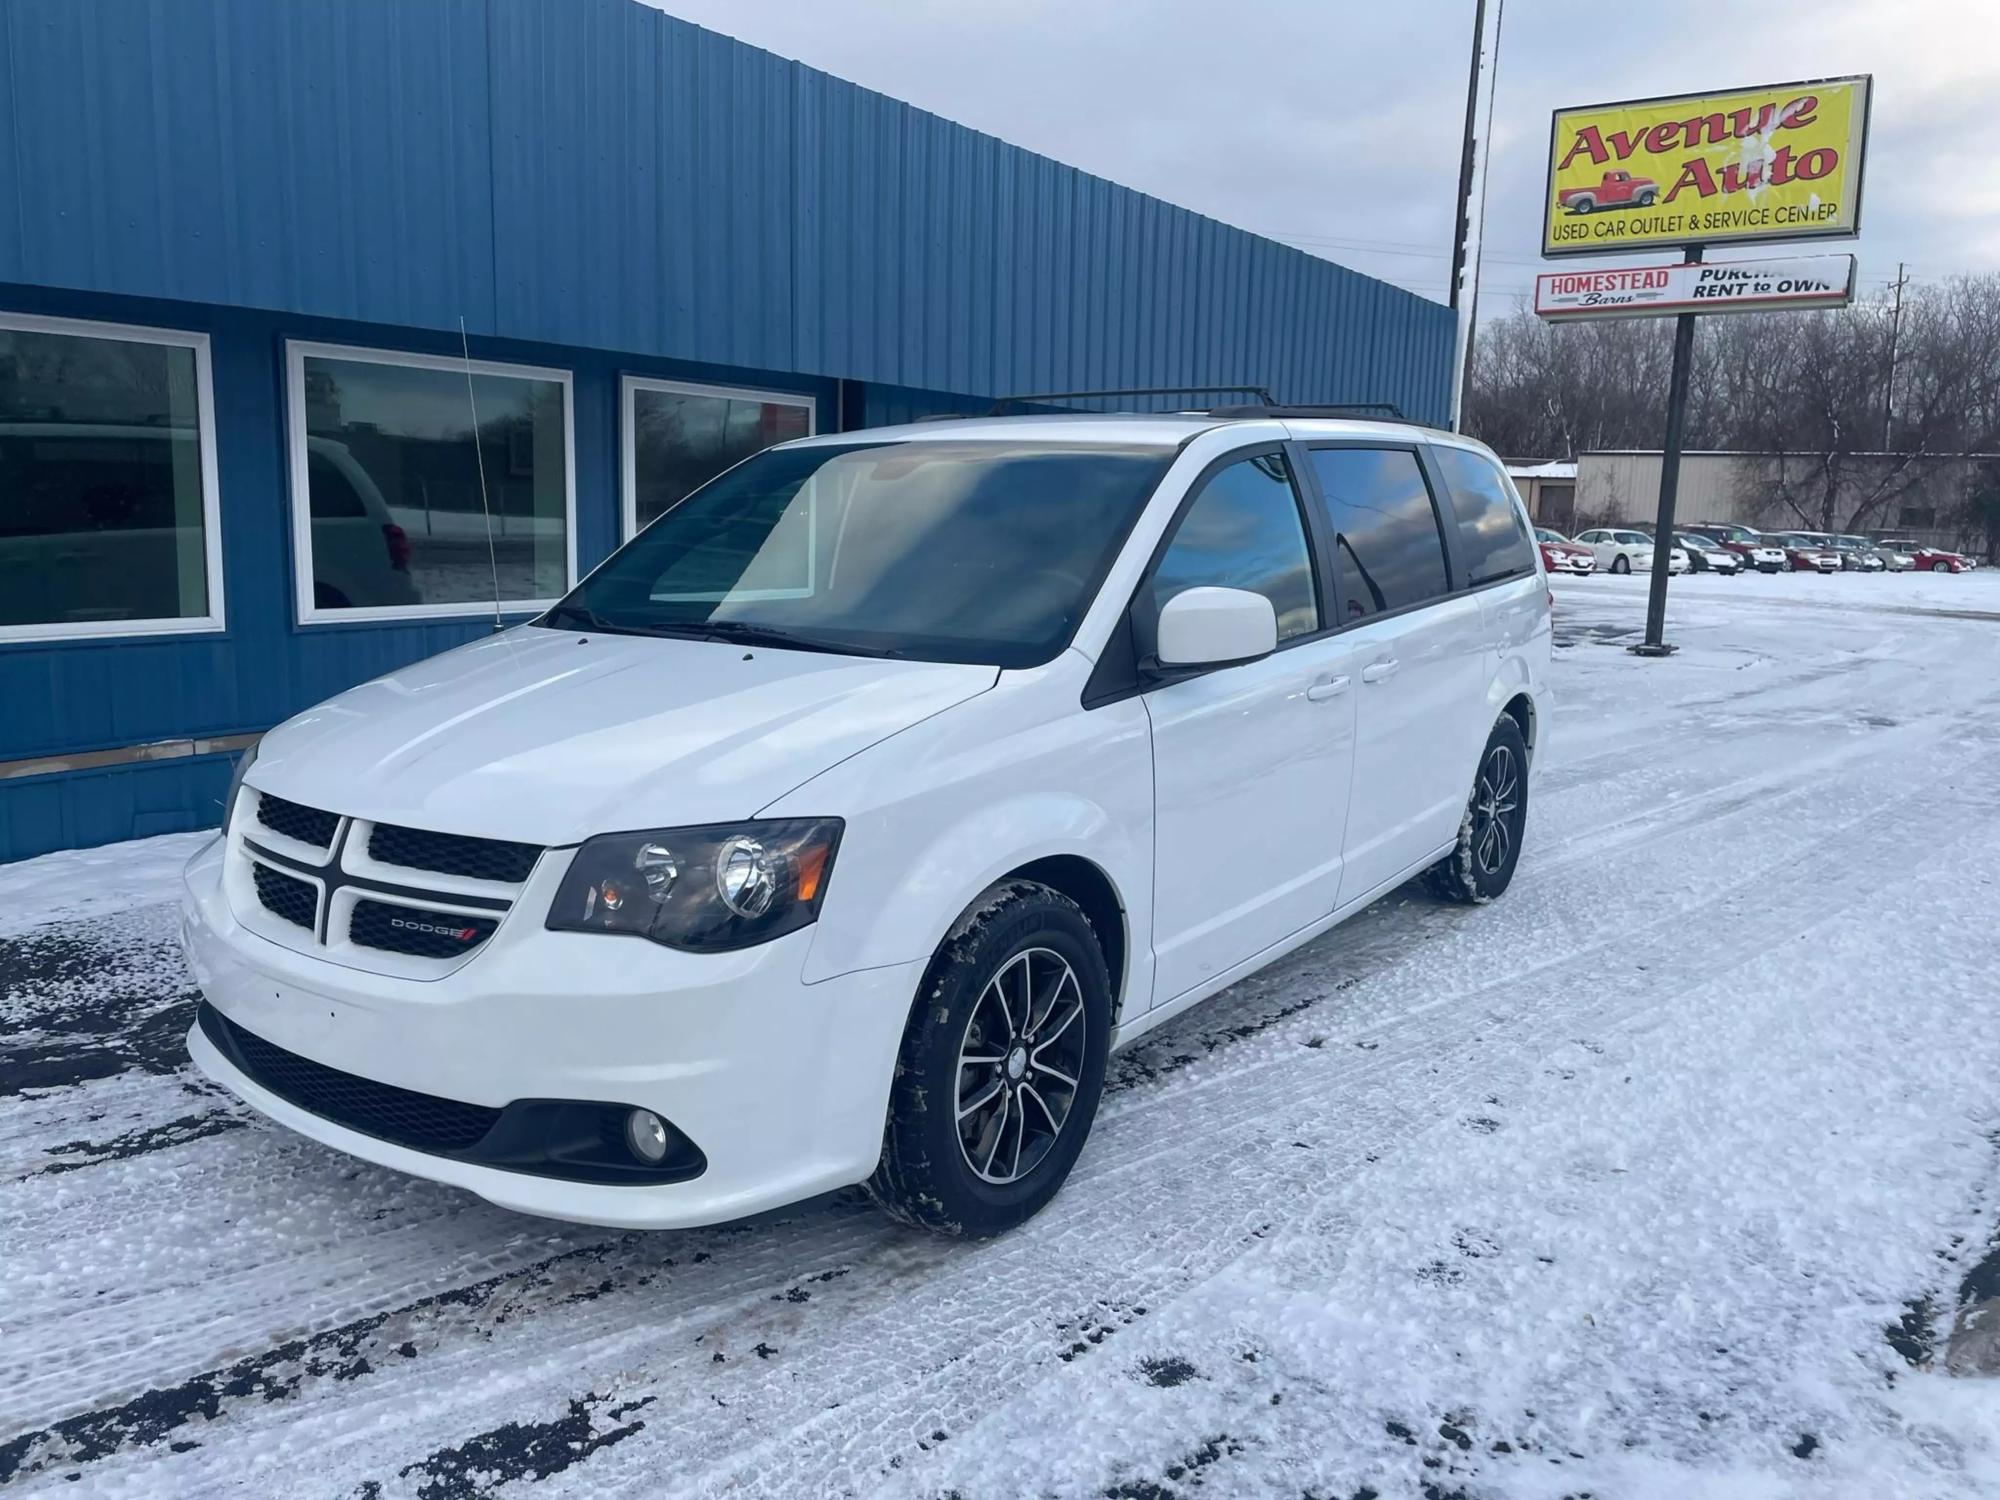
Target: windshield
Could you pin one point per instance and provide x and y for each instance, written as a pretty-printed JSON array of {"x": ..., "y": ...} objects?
[
  {"x": 985, "y": 552},
  {"x": 1543, "y": 534}
]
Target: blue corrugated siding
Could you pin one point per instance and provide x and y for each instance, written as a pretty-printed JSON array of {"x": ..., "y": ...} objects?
[
  {"x": 590, "y": 184},
  {"x": 595, "y": 172}
]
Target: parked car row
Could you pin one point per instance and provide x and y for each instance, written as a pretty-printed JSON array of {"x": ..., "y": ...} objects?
[
  {"x": 1717, "y": 547},
  {"x": 1831, "y": 552}
]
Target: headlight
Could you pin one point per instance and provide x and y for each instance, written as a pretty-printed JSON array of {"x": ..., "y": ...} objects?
[
  {"x": 726, "y": 885},
  {"x": 229, "y": 798}
]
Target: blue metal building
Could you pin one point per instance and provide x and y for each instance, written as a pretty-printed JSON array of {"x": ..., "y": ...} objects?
[{"x": 237, "y": 241}]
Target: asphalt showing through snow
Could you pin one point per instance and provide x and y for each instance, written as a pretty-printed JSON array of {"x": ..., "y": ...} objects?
[{"x": 195, "y": 1302}]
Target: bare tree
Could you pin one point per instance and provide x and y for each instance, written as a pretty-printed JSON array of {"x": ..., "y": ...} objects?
[{"x": 1808, "y": 390}]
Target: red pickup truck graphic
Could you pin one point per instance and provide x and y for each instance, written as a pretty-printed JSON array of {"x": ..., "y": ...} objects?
[{"x": 1617, "y": 190}]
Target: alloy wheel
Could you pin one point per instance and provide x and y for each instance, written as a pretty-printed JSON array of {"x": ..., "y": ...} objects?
[
  {"x": 1493, "y": 803},
  {"x": 1018, "y": 1065}
]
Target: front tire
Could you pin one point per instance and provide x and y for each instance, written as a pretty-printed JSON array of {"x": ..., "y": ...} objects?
[
  {"x": 1621, "y": 564},
  {"x": 1496, "y": 815},
  {"x": 1940, "y": 567},
  {"x": 1001, "y": 1066}
]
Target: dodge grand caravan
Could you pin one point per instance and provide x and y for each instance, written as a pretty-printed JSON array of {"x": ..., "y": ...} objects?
[{"x": 842, "y": 823}]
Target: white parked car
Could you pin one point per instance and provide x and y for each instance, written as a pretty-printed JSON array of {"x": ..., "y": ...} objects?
[
  {"x": 1622, "y": 551},
  {"x": 841, "y": 824}
]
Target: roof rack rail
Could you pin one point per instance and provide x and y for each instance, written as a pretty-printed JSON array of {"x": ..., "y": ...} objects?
[
  {"x": 1386, "y": 411},
  {"x": 1000, "y": 406}
]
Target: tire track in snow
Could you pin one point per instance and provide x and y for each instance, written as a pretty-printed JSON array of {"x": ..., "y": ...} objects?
[
  {"x": 1225, "y": 1047},
  {"x": 1402, "y": 1091},
  {"x": 1730, "y": 1385},
  {"x": 1386, "y": 934},
  {"x": 1414, "y": 1063}
]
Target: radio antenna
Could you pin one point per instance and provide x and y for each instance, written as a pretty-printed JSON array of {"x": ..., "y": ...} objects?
[{"x": 479, "y": 454}]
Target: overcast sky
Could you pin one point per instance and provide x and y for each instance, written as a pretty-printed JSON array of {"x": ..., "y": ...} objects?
[{"x": 1334, "y": 124}]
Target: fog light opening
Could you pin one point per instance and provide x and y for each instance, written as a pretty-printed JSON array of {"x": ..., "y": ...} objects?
[{"x": 646, "y": 1136}]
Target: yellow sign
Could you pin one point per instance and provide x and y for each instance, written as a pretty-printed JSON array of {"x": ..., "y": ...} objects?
[{"x": 1778, "y": 163}]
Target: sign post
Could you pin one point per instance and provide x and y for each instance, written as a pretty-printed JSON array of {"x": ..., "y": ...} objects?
[
  {"x": 1670, "y": 481},
  {"x": 1745, "y": 166}
]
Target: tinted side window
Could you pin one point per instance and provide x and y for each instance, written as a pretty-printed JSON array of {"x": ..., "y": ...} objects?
[
  {"x": 1390, "y": 553},
  {"x": 1243, "y": 531},
  {"x": 1492, "y": 538}
]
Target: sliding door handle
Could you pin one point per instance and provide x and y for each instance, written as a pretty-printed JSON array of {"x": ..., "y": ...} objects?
[{"x": 1378, "y": 671}]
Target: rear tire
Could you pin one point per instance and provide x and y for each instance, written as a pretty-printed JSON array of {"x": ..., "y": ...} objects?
[
  {"x": 974, "y": 1148},
  {"x": 1496, "y": 815}
]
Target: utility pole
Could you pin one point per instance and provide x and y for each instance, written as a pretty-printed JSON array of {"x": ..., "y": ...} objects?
[
  {"x": 1889, "y": 385},
  {"x": 1474, "y": 163},
  {"x": 1462, "y": 220}
]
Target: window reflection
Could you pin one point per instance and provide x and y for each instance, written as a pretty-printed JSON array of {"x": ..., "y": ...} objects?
[
  {"x": 1244, "y": 531},
  {"x": 394, "y": 485},
  {"x": 1389, "y": 552},
  {"x": 101, "y": 505},
  {"x": 683, "y": 439}
]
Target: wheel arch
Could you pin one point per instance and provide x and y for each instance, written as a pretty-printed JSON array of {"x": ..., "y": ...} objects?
[
  {"x": 1087, "y": 883},
  {"x": 1521, "y": 709}
]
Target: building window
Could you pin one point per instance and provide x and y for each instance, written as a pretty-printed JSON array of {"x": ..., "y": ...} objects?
[
  {"x": 1916, "y": 517},
  {"x": 396, "y": 510},
  {"x": 108, "y": 521},
  {"x": 678, "y": 437}
]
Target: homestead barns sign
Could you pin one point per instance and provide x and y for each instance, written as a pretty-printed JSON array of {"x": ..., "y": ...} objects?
[
  {"x": 1782, "y": 162},
  {"x": 1725, "y": 286}
]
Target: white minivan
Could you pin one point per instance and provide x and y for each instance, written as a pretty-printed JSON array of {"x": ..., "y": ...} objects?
[{"x": 842, "y": 823}]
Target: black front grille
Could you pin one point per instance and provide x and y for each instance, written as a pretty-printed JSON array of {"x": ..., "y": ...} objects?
[
  {"x": 452, "y": 853},
  {"x": 403, "y": 1117},
  {"x": 293, "y": 900},
  {"x": 413, "y": 930},
  {"x": 296, "y": 821}
]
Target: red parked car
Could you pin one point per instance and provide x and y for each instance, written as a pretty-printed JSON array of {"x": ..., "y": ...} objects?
[
  {"x": 1805, "y": 553},
  {"x": 1933, "y": 559},
  {"x": 1619, "y": 189},
  {"x": 1561, "y": 555}
]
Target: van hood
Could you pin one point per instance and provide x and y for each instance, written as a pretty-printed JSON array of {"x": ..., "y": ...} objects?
[{"x": 549, "y": 737}]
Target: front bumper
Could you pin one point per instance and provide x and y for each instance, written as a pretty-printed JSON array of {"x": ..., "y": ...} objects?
[{"x": 783, "y": 1085}]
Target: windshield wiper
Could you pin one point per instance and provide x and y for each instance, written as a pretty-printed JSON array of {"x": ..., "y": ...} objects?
[
  {"x": 588, "y": 618},
  {"x": 741, "y": 632}
]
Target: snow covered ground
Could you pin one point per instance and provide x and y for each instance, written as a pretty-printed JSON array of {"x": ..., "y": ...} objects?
[{"x": 1616, "y": 1187}]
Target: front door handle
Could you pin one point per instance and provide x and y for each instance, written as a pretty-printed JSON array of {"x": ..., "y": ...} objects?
[
  {"x": 1377, "y": 671},
  {"x": 1328, "y": 687}
]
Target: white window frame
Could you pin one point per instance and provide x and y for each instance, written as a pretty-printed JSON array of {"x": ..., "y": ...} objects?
[
  {"x": 628, "y": 438},
  {"x": 214, "y": 620},
  {"x": 297, "y": 351}
]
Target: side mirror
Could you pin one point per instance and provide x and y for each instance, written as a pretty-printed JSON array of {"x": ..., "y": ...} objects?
[{"x": 1210, "y": 627}]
